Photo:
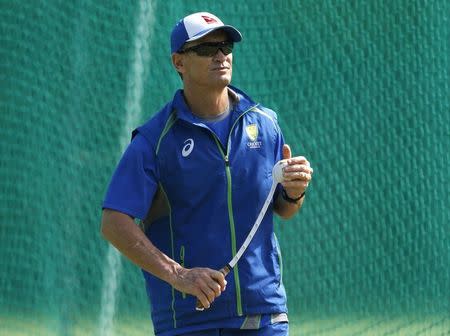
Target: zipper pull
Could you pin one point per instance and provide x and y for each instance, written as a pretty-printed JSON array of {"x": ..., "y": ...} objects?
[{"x": 227, "y": 162}]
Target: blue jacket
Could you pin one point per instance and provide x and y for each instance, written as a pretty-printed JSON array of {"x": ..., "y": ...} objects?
[{"x": 214, "y": 193}]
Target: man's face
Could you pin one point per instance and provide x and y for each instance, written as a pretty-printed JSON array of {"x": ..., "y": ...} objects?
[{"x": 211, "y": 71}]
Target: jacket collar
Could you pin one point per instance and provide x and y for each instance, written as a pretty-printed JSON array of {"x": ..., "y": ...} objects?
[{"x": 183, "y": 111}]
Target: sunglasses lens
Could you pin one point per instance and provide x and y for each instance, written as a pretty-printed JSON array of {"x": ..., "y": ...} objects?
[
  {"x": 206, "y": 50},
  {"x": 211, "y": 49},
  {"x": 227, "y": 49}
]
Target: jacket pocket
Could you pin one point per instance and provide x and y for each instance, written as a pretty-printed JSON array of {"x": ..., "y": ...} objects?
[
  {"x": 280, "y": 258},
  {"x": 182, "y": 263}
]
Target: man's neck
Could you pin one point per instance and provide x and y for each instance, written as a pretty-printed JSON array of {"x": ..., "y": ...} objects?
[{"x": 207, "y": 103}]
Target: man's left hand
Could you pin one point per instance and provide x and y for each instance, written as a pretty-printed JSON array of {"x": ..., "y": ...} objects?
[{"x": 297, "y": 174}]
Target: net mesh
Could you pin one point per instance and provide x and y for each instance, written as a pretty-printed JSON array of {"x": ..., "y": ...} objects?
[{"x": 361, "y": 88}]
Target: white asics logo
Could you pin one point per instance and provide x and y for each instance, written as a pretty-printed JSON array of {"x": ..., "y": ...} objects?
[{"x": 188, "y": 147}]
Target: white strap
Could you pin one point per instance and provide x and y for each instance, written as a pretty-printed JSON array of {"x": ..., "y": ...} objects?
[{"x": 255, "y": 226}]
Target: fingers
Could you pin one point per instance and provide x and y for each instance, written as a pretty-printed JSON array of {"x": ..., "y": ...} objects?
[
  {"x": 298, "y": 172},
  {"x": 296, "y": 175},
  {"x": 204, "y": 283},
  {"x": 208, "y": 294},
  {"x": 298, "y": 160},
  {"x": 297, "y": 178},
  {"x": 215, "y": 285},
  {"x": 220, "y": 279},
  {"x": 213, "y": 289},
  {"x": 203, "y": 300},
  {"x": 295, "y": 185}
]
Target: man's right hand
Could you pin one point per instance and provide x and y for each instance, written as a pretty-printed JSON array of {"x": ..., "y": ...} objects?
[{"x": 204, "y": 283}]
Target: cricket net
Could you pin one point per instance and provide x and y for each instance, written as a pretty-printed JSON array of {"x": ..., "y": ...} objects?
[{"x": 360, "y": 87}]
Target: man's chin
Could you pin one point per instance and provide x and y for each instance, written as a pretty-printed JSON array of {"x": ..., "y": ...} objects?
[{"x": 222, "y": 80}]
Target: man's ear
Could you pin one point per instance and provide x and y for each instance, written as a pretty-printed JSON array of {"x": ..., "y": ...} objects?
[{"x": 177, "y": 61}]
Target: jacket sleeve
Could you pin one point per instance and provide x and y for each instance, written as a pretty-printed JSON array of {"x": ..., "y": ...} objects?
[{"x": 134, "y": 181}]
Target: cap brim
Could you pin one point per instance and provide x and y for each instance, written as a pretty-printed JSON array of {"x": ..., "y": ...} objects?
[{"x": 232, "y": 32}]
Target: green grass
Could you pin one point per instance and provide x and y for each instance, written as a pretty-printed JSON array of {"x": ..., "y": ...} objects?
[
  {"x": 343, "y": 325},
  {"x": 376, "y": 326}
]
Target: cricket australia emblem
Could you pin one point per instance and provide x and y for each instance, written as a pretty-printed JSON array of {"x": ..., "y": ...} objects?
[{"x": 252, "y": 133}]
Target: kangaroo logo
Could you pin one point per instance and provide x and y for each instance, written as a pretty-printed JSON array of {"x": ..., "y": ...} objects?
[
  {"x": 188, "y": 147},
  {"x": 252, "y": 131}
]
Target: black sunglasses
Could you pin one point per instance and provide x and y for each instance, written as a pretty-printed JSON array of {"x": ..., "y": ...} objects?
[{"x": 210, "y": 48}]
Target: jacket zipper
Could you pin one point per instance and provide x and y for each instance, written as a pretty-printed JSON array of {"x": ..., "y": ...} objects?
[
  {"x": 232, "y": 227},
  {"x": 226, "y": 158}
]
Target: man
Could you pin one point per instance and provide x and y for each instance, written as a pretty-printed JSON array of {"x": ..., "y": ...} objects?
[{"x": 197, "y": 174}]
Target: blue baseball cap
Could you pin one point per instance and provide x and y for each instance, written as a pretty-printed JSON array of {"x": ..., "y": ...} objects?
[{"x": 197, "y": 25}]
